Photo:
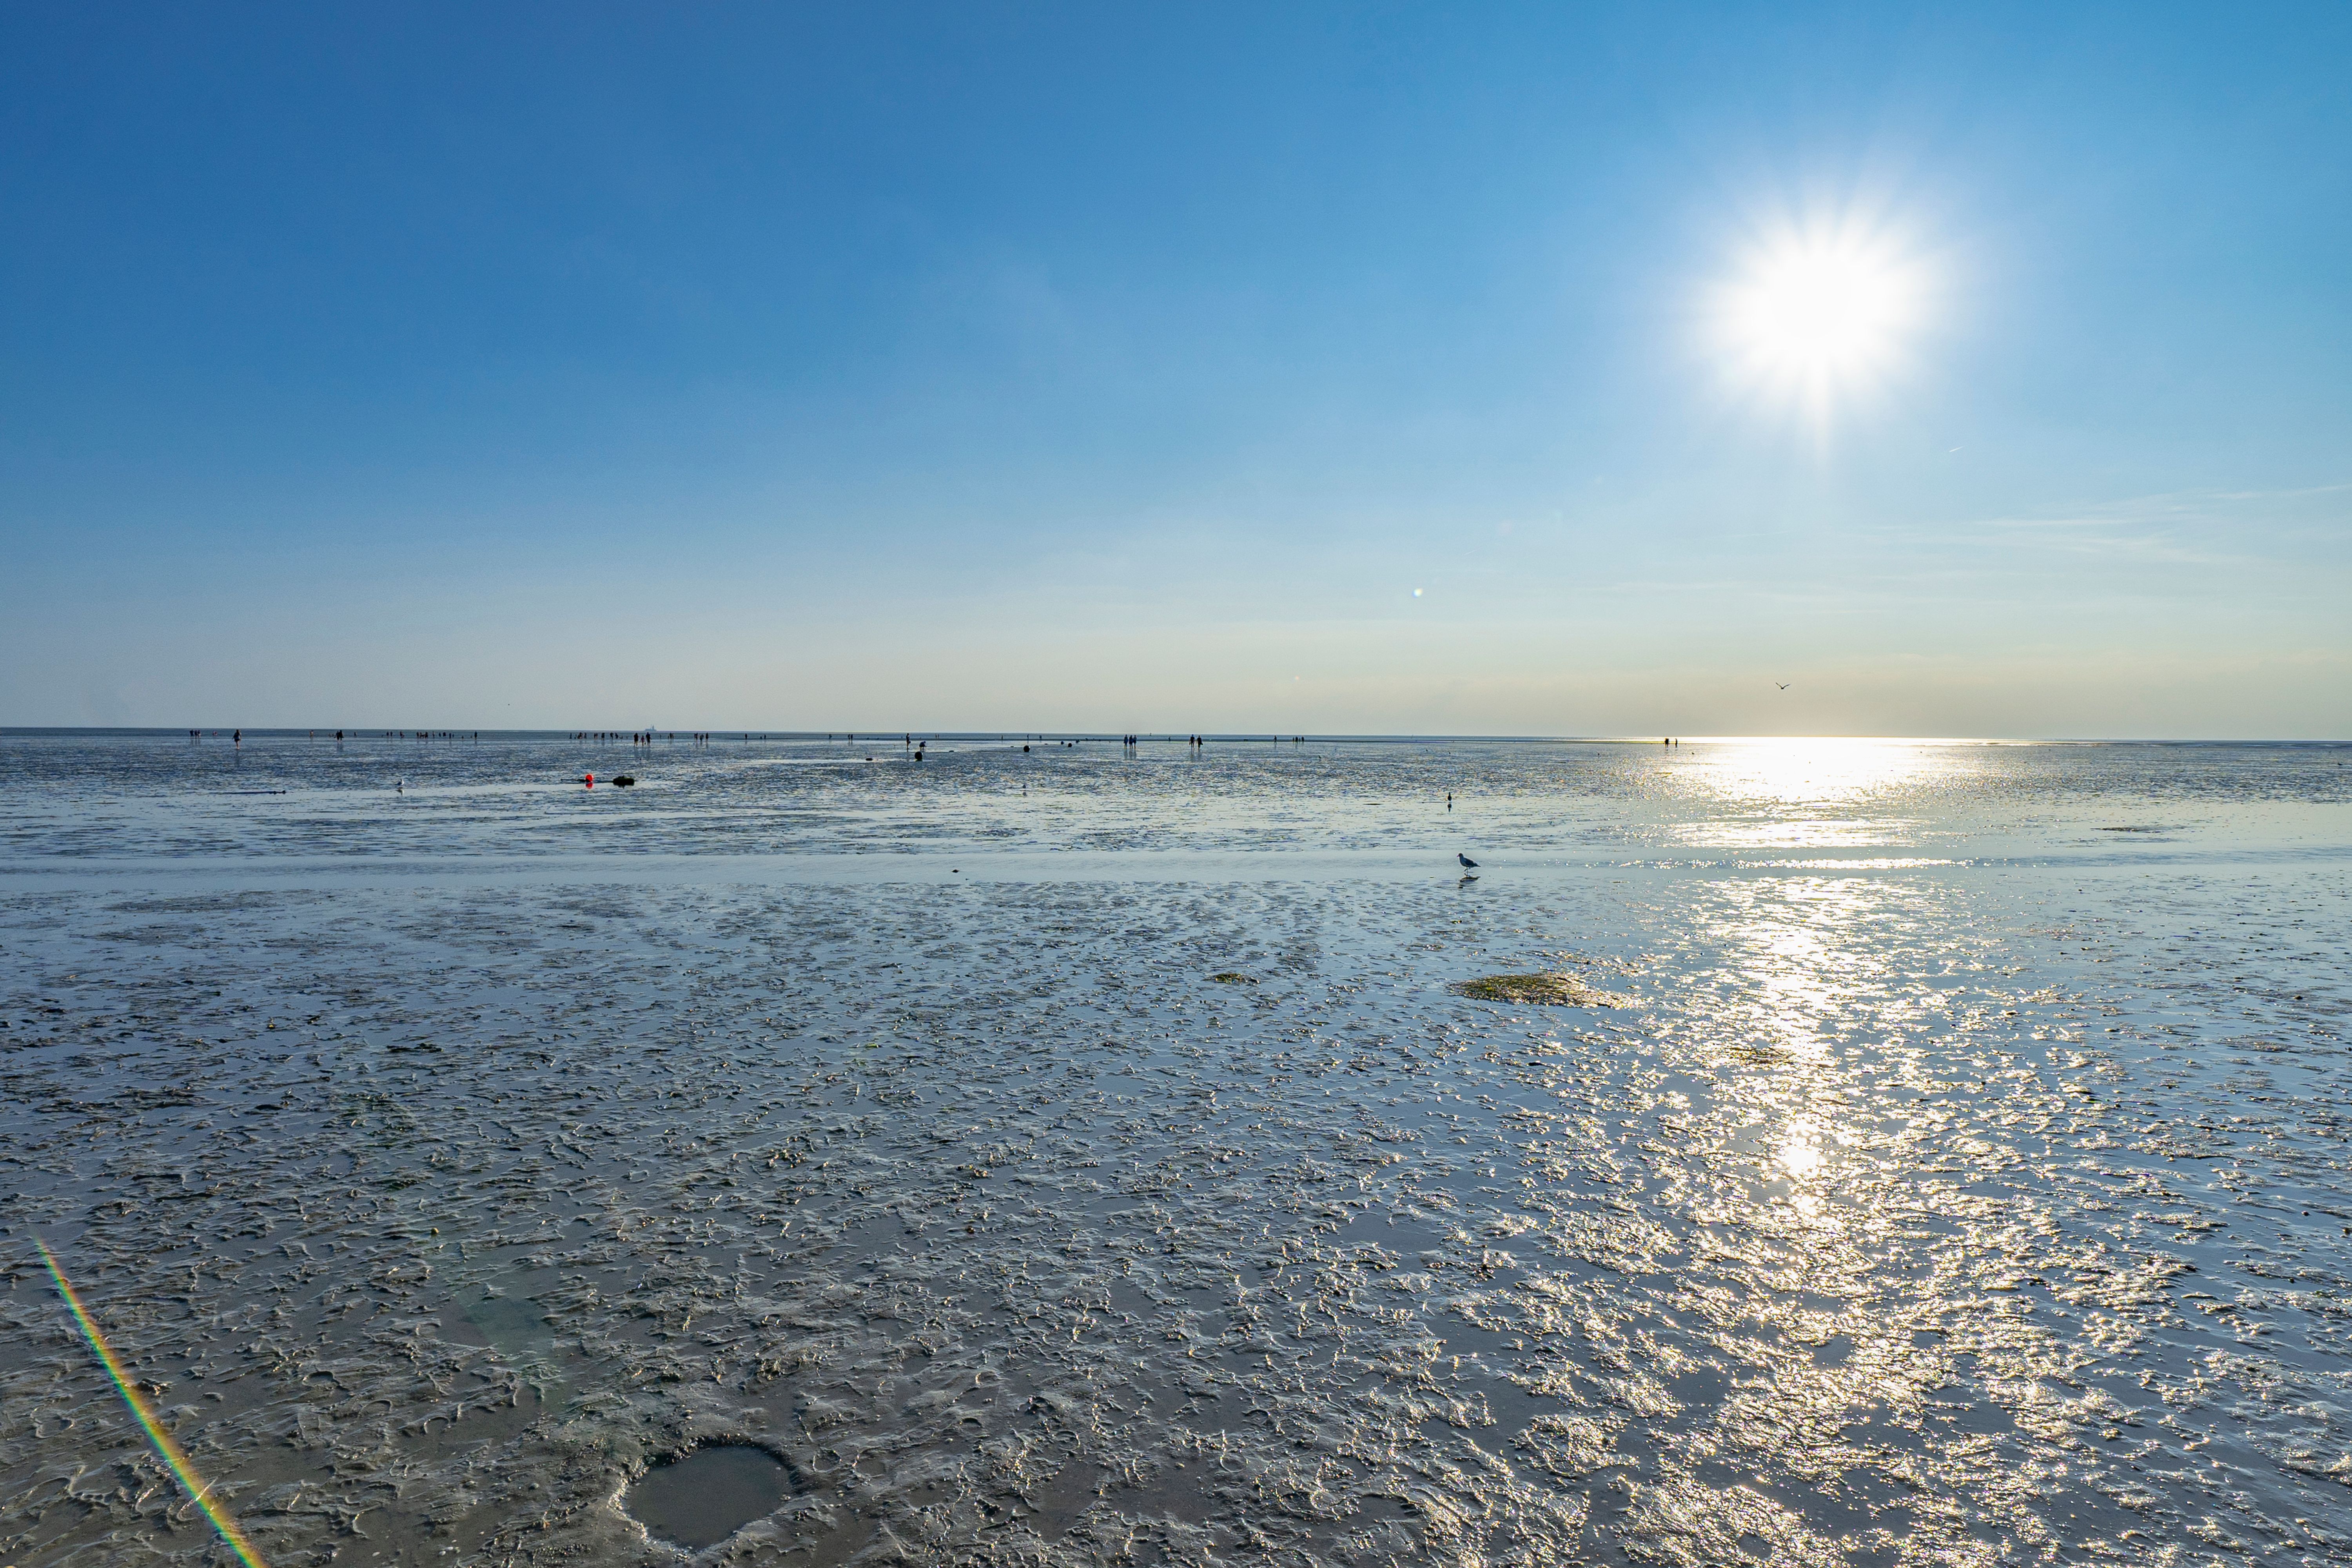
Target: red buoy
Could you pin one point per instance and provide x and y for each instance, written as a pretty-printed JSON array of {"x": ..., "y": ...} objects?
[{"x": 591, "y": 781}]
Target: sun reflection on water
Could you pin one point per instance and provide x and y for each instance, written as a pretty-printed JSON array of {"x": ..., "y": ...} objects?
[
  {"x": 1800, "y": 1155},
  {"x": 1804, "y": 968},
  {"x": 1811, "y": 791}
]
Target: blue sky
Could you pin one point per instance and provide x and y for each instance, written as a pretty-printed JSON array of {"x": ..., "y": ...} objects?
[{"x": 1123, "y": 367}]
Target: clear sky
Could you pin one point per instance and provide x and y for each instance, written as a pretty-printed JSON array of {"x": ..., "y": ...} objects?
[{"x": 1543, "y": 369}]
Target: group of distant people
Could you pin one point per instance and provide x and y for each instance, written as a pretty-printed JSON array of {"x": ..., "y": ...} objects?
[{"x": 236, "y": 737}]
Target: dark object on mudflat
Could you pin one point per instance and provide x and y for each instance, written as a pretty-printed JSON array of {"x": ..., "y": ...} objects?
[
  {"x": 1550, "y": 990},
  {"x": 257, "y": 791},
  {"x": 624, "y": 780},
  {"x": 1466, "y": 861},
  {"x": 1235, "y": 978}
]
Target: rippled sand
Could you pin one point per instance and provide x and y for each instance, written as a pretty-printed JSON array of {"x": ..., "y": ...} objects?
[{"x": 1951, "y": 1182}]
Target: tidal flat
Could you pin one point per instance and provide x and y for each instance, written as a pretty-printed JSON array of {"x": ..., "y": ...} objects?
[{"x": 1089, "y": 1156}]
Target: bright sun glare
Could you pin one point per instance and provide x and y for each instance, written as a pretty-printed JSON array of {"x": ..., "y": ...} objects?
[{"x": 1820, "y": 318}]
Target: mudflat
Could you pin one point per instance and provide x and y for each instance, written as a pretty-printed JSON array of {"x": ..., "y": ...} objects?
[{"x": 1092, "y": 1154}]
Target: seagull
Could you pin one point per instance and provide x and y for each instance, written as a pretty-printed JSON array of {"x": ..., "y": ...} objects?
[
  {"x": 1781, "y": 684},
  {"x": 1466, "y": 861}
]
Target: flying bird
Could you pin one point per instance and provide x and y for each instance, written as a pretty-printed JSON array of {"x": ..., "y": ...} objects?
[
  {"x": 1781, "y": 684},
  {"x": 1466, "y": 861}
]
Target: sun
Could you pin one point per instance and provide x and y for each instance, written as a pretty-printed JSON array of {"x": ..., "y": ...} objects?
[
  {"x": 1816, "y": 312},
  {"x": 1820, "y": 318}
]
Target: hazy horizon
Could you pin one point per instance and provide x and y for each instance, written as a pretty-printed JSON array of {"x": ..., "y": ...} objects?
[{"x": 664, "y": 736}]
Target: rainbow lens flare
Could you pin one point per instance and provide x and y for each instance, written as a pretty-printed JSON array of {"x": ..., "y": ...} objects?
[{"x": 196, "y": 1487}]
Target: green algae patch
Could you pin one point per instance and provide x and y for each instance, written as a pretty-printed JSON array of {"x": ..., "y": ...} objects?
[
  {"x": 1235, "y": 978},
  {"x": 1547, "y": 990}
]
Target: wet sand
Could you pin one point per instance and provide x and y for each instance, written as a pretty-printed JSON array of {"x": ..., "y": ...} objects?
[{"x": 1918, "y": 1207}]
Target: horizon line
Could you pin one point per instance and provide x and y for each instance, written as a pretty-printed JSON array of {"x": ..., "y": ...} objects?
[{"x": 744, "y": 735}]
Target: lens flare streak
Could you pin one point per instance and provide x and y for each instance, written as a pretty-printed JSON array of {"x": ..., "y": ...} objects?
[{"x": 198, "y": 1489}]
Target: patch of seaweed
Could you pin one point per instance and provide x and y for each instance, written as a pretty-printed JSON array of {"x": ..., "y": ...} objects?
[
  {"x": 1235, "y": 978},
  {"x": 1550, "y": 990}
]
